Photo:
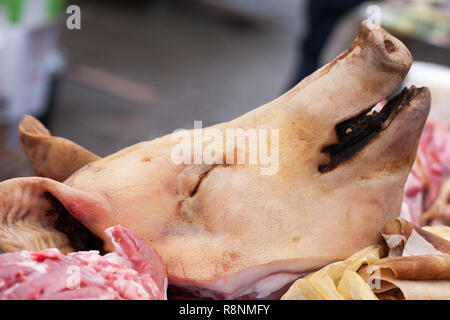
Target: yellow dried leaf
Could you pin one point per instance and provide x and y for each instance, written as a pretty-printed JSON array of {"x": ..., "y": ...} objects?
[
  {"x": 323, "y": 284},
  {"x": 353, "y": 287}
]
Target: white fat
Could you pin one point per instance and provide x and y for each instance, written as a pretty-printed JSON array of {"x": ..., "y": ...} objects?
[
  {"x": 116, "y": 245},
  {"x": 272, "y": 283},
  {"x": 88, "y": 256},
  {"x": 38, "y": 267},
  {"x": 116, "y": 259},
  {"x": 11, "y": 289},
  {"x": 91, "y": 253},
  {"x": 243, "y": 283},
  {"x": 259, "y": 290},
  {"x": 123, "y": 285},
  {"x": 120, "y": 269}
]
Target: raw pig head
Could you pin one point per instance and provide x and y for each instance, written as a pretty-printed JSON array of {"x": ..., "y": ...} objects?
[{"x": 227, "y": 229}]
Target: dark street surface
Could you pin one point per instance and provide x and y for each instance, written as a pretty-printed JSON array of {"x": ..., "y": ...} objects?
[
  {"x": 179, "y": 64},
  {"x": 136, "y": 72}
]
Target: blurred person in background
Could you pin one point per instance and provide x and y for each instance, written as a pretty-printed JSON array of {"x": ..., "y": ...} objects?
[
  {"x": 30, "y": 56},
  {"x": 322, "y": 17}
]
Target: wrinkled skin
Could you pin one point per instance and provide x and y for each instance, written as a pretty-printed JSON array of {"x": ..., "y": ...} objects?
[{"x": 224, "y": 227}]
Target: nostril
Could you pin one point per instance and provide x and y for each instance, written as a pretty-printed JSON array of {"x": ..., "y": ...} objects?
[{"x": 390, "y": 47}]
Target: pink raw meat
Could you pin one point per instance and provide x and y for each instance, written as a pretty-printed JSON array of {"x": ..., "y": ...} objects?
[
  {"x": 134, "y": 271},
  {"x": 431, "y": 169}
]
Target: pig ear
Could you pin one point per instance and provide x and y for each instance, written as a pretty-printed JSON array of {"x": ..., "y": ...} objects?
[
  {"x": 26, "y": 218},
  {"x": 52, "y": 157},
  {"x": 33, "y": 216}
]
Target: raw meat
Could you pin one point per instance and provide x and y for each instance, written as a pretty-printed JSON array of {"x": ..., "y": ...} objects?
[
  {"x": 425, "y": 183},
  {"x": 133, "y": 271}
]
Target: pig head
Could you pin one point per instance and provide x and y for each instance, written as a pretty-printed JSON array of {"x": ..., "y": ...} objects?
[{"x": 230, "y": 228}]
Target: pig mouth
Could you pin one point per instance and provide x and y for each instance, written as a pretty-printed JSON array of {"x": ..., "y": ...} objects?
[{"x": 355, "y": 133}]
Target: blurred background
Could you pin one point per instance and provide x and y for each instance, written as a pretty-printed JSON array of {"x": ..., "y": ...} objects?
[{"x": 139, "y": 69}]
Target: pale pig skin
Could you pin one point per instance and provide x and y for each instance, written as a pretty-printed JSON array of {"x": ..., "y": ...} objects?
[{"x": 225, "y": 227}]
